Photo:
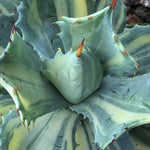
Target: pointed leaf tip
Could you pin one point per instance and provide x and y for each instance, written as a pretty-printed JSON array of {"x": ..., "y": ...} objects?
[
  {"x": 79, "y": 50},
  {"x": 59, "y": 16},
  {"x": 75, "y": 22},
  {"x": 113, "y": 4}
]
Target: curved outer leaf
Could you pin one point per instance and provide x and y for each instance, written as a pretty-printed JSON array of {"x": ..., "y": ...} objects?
[
  {"x": 137, "y": 42},
  {"x": 7, "y": 6},
  {"x": 35, "y": 18},
  {"x": 59, "y": 130},
  {"x": 100, "y": 38},
  {"x": 20, "y": 76},
  {"x": 6, "y": 103},
  {"x": 117, "y": 106}
]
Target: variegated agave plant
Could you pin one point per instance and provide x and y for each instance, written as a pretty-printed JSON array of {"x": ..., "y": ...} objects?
[{"x": 74, "y": 84}]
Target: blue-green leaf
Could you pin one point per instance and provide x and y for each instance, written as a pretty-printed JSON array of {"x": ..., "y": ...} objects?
[
  {"x": 20, "y": 76},
  {"x": 137, "y": 42},
  {"x": 100, "y": 38},
  {"x": 8, "y": 16},
  {"x": 69, "y": 74},
  {"x": 7, "y": 6},
  {"x": 35, "y": 22},
  {"x": 59, "y": 130},
  {"x": 74, "y": 9},
  {"x": 117, "y": 106},
  {"x": 6, "y": 24},
  {"x": 6, "y": 103},
  {"x": 119, "y": 13}
]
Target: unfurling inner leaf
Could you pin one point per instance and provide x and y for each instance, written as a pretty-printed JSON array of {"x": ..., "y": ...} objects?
[{"x": 75, "y": 77}]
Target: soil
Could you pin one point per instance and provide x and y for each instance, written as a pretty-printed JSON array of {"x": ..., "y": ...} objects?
[{"x": 138, "y": 11}]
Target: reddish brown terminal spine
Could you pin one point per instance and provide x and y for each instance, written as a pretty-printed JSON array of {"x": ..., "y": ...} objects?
[
  {"x": 79, "y": 50},
  {"x": 113, "y": 4}
]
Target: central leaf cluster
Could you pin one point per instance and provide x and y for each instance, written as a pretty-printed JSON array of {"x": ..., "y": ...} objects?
[{"x": 75, "y": 77}]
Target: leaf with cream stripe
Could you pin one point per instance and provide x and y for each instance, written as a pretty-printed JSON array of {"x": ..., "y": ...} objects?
[
  {"x": 100, "y": 38},
  {"x": 116, "y": 106},
  {"x": 35, "y": 22},
  {"x": 74, "y": 9},
  {"x": 119, "y": 13},
  {"x": 137, "y": 42},
  {"x": 20, "y": 76},
  {"x": 6, "y": 103},
  {"x": 58, "y": 130}
]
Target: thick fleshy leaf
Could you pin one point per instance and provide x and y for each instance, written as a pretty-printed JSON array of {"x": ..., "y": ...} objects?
[
  {"x": 74, "y": 9},
  {"x": 117, "y": 106},
  {"x": 20, "y": 76},
  {"x": 35, "y": 22},
  {"x": 100, "y": 38},
  {"x": 119, "y": 14},
  {"x": 39, "y": 24},
  {"x": 59, "y": 130},
  {"x": 69, "y": 74},
  {"x": 137, "y": 42},
  {"x": 8, "y": 7},
  {"x": 6, "y": 103},
  {"x": 141, "y": 137}
]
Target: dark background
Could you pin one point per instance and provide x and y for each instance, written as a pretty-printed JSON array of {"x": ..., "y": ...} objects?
[{"x": 138, "y": 11}]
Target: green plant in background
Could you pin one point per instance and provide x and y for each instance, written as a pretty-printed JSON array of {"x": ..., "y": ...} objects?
[{"x": 77, "y": 77}]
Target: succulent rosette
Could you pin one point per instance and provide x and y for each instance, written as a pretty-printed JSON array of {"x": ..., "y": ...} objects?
[{"x": 72, "y": 76}]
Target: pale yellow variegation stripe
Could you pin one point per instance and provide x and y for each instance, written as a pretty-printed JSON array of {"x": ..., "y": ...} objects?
[
  {"x": 34, "y": 11},
  {"x": 81, "y": 139},
  {"x": 80, "y": 8},
  {"x": 101, "y": 5},
  {"x": 117, "y": 59},
  {"x": 137, "y": 42},
  {"x": 121, "y": 18},
  {"x": 4, "y": 10},
  {"x": 43, "y": 134},
  {"x": 61, "y": 7},
  {"x": 123, "y": 115}
]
